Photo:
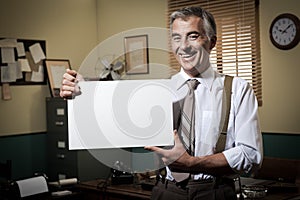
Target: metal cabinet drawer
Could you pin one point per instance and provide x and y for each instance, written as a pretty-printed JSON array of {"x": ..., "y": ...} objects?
[{"x": 60, "y": 169}]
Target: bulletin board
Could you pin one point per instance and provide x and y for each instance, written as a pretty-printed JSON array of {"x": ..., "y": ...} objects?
[{"x": 36, "y": 75}]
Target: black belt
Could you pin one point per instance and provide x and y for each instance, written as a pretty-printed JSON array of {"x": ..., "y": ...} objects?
[
  {"x": 161, "y": 176},
  {"x": 185, "y": 183}
]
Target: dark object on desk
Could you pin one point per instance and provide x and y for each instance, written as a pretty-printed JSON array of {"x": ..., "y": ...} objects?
[
  {"x": 279, "y": 169},
  {"x": 278, "y": 187},
  {"x": 280, "y": 176},
  {"x": 120, "y": 177},
  {"x": 269, "y": 189},
  {"x": 120, "y": 174},
  {"x": 254, "y": 191}
]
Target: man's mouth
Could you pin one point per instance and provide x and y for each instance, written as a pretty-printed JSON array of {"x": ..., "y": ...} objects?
[{"x": 187, "y": 56}]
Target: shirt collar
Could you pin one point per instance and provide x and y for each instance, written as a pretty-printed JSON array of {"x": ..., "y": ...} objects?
[{"x": 206, "y": 78}]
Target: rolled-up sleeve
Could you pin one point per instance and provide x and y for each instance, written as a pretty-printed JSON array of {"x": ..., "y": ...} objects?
[{"x": 244, "y": 150}]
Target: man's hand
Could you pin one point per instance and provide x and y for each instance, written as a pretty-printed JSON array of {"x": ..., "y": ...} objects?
[
  {"x": 176, "y": 158},
  {"x": 179, "y": 160},
  {"x": 69, "y": 86}
]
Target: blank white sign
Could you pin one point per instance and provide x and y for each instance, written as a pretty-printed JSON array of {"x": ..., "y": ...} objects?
[{"x": 119, "y": 114}]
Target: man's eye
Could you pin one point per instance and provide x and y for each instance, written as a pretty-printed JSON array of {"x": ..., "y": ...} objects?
[
  {"x": 193, "y": 37},
  {"x": 176, "y": 39}
]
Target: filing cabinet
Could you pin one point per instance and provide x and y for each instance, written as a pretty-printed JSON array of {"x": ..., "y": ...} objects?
[{"x": 61, "y": 162}]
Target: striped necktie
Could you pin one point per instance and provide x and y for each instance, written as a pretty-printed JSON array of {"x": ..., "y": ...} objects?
[{"x": 187, "y": 134}]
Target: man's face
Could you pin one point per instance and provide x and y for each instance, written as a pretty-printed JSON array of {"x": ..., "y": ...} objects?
[{"x": 190, "y": 44}]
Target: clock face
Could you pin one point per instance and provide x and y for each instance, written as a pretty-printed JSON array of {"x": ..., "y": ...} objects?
[{"x": 285, "y": 31}]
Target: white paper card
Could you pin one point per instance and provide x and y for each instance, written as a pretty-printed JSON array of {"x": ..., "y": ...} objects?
[
  {"x": 25, "y": 67},
  {"x": 37, "y": 52},
  {"x": 9, "y": 73},
  {"x": 20, "y": 49},
  {"x": 38, "y": 76},
  {"x": 31, "y": 186},
  {"x": 8, "y": 55},
  {"x": 8, "y": 42},
  {"x": 119, "y": 114}
]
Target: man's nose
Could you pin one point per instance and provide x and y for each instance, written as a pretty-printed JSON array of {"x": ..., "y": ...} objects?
[{"x": 185, "y": 44}]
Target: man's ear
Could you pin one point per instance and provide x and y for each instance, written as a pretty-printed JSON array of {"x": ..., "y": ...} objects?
[{"x": 213, "y": 41}]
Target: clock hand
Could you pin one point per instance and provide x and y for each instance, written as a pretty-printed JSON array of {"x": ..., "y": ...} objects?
[{"x": 284, "y": 31}]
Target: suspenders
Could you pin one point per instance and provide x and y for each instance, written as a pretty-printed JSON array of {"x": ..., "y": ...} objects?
[{"x": 220, "y": 146}]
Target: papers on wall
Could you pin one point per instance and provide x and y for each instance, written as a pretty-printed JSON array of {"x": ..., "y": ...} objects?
[
  {"x": 20, "y": 49},
  {"x": 37, "y": 53},
  {"x": 33, "y": 66},
  {"x": 7, "y": 55},
  {"x": 15, "y": 67},
  {"x": 9, "y": 73},
  {"x": 21, "y": 61},
  {"x": 19, "y": 74},
  {"x": 39, "y": 75},
  {"x": 6, "y": 93},
  {"x": 117, "y": 114},
  {"x": 24, "y": 65},
  {"x": 8, "y": 42}
]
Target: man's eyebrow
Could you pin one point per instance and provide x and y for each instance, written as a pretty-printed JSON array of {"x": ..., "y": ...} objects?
[
  {"x": 189, "y": 33},
  {"x": 175, "y": 34}
]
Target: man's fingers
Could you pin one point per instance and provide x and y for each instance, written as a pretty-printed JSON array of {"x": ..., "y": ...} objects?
[
  {"x": 152, "y": 148},
  {"x": 71, "y": 72},
  {"x": 157, "y": 150},
  {"x": 69, "y": 77},
  {"x": 68, "y": 82},
  {"x": 65, "y": 93},
  {"x": 176, "y": 137},
  {"x": 67, "y": 88},
  {"x": 175, "y": 133}
]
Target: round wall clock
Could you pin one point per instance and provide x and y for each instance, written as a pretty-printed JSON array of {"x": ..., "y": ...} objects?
[{"x": 285, "y": 31}]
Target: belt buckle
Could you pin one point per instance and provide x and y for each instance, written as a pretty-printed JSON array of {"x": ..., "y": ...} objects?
[{"x": 183, "y": 184}]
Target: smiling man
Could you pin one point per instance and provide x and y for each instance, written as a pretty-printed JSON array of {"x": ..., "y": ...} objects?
[
  {"x": 197, "y": 166},
  {"x": 197, "y": 170}
]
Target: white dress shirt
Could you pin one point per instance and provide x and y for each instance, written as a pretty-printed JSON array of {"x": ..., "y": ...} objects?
[{"x": 243, "y": 149}]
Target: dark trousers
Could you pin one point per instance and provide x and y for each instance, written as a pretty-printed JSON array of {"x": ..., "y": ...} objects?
[{"x": 194, "y": 190}]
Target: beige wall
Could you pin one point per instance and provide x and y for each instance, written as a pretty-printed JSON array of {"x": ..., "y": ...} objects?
[
  {"x": 72, "y": 28},
  {"x": 118, "y": 19},
  {"x": 69, "y": 28},
  {"x": 281, "y": 93}
]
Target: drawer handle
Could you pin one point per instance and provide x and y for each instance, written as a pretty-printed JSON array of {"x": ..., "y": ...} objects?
[
  {"x": 61, "y": 156},
  {"x": 59, "y": 123}
]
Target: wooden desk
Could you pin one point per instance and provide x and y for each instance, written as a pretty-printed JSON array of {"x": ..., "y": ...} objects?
[
  {"x": 283, "y": 193},
  {"x": 96, "y": 190}
]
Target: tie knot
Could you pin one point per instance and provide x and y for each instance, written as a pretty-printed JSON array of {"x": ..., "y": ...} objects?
[{"x": 193, "y": 84}]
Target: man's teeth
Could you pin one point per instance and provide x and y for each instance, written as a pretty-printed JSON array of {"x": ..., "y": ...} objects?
[{"x": 186, "y": 56}]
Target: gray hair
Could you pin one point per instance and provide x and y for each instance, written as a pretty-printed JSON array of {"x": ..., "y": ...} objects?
[{"x": 208, "y": 19}]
